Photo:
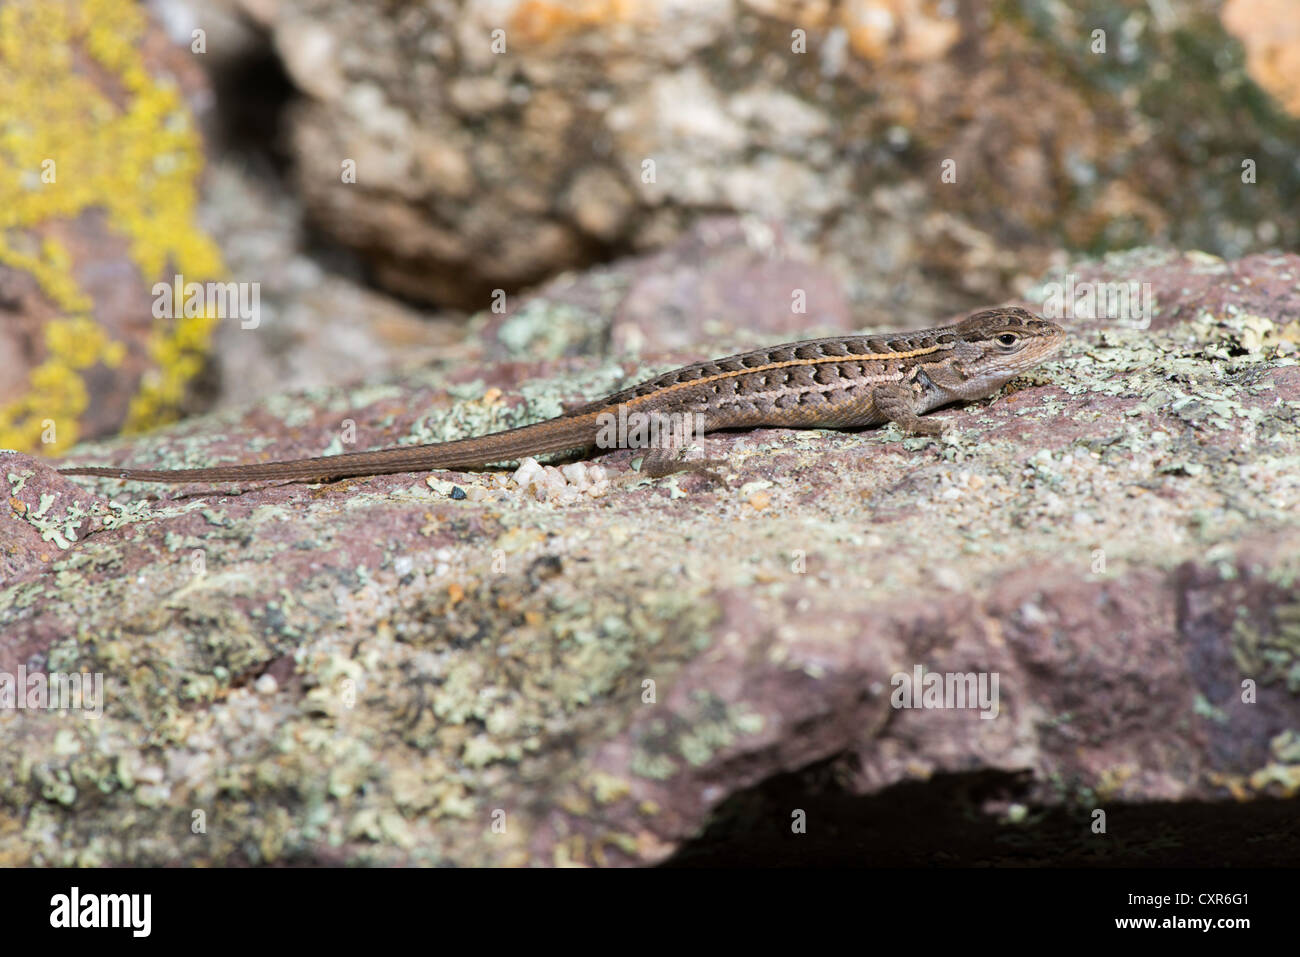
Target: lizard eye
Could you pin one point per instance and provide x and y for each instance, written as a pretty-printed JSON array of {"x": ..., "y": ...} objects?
[{"x": 1008, "y": 339}]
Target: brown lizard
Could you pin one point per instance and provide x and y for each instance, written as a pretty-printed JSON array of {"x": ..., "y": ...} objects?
[{"x": 837, "y": 383}]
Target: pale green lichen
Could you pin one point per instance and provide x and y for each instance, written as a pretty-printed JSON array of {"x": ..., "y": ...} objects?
[
  {"x": 125, "y": 514},
  {"x": 444, "y": 687}
]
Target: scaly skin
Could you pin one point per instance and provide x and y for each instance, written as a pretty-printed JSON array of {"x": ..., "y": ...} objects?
[{"x": 836, "y": 383}]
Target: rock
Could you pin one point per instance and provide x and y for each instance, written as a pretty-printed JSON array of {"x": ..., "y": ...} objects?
[
  {"x": 98, "y": 187},
  {"x": 82, "y": 352},
  {"x": 670, "y": 670},
  {"x": 318, "y": 326},
  {"x": 726, "y": 284},
  {"x": 319, "y": 322},
  {"x": 593, "y": 130}
]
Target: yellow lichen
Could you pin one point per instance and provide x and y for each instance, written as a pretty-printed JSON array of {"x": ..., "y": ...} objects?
[
  {"x": 123, "y": 144},
  {"x": 56, "y": 394}
]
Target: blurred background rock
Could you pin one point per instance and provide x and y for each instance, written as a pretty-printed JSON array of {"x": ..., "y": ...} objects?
[{"x": 658, "y": 174}]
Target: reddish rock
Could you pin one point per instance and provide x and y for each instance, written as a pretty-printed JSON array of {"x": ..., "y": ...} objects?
[{"x": 375, "y": 671}]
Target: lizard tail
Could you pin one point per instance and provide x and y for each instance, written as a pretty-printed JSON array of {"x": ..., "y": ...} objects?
[{"x": 554, "y": 435}]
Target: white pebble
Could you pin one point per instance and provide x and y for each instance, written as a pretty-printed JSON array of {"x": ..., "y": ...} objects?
[
  {"x": 527, "y": 473},
  {"x": 577, "y": 475}
]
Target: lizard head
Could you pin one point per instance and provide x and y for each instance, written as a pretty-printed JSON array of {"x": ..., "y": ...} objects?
[{"x": 996, "y": 345}]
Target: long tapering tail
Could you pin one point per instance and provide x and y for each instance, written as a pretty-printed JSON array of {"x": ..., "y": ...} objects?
[{"x": 553, "y": 435}]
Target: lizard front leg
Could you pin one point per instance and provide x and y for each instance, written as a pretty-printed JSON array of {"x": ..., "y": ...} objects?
[{"x": 897, "y": 404}]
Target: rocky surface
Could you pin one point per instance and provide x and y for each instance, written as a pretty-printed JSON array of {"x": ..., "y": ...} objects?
[
  {"x": 591, "y": 668},
  {"x": 479, "y": 168}
]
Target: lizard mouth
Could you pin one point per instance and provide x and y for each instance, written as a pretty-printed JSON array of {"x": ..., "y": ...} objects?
[
  {"x": 1041, "y": 352},
  {"x": 1048, "y": 344}
]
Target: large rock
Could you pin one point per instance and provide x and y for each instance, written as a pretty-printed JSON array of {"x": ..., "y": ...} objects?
[
  {"x": 477, "y": 170},
  {"x": 446, "y": 669}
]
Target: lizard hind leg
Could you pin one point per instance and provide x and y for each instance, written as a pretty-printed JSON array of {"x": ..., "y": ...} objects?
[
  {"x": 664, "y": 448},
  {"x": 660, "y": 462}
]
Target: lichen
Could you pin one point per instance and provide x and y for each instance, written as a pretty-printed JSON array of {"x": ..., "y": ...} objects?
[{"x": 136, "y": 160}]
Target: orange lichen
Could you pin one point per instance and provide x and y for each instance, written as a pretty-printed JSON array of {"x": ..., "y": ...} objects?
[
  {"x": 1270, "y": 32},
  {"x": 539, "y": 21}
]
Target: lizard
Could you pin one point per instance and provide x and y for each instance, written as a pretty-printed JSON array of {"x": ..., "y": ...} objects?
[{"x": 841, "y": 382}]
